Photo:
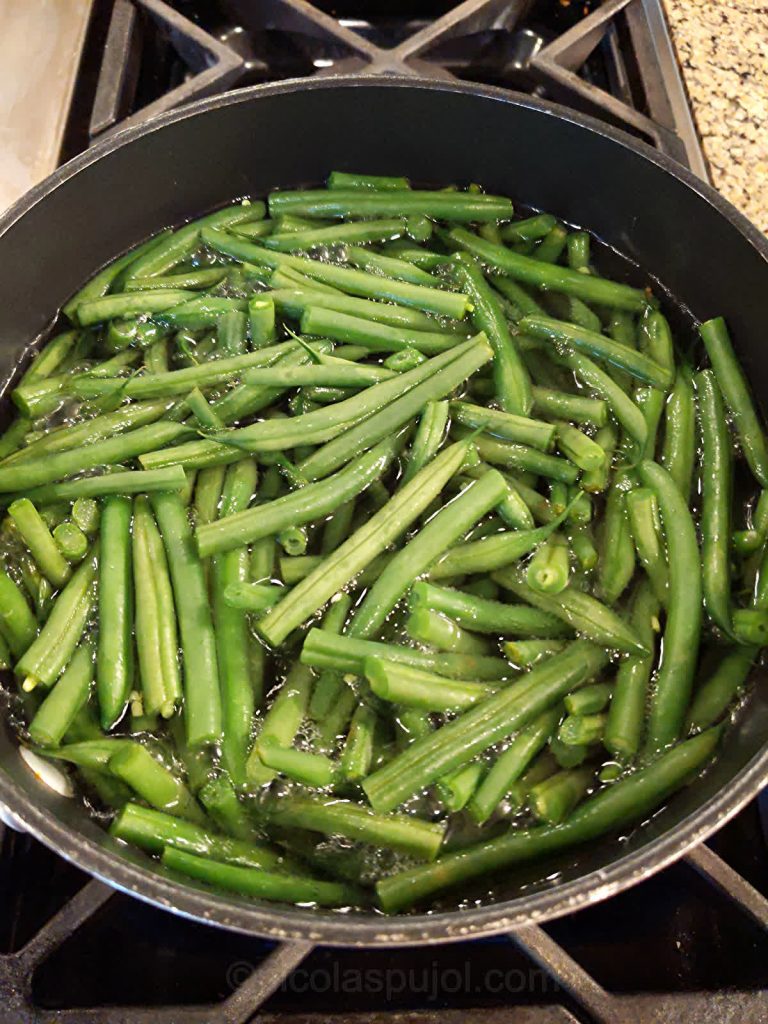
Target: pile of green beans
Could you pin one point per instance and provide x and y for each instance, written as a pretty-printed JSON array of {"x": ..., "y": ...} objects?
[{"x": 350, "y": 551}]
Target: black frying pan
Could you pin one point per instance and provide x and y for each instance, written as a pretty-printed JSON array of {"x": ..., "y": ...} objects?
[{"x": 183, "y": 164}]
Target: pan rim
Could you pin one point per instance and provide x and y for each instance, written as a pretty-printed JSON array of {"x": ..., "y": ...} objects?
[{"x": 291, "y": 924}]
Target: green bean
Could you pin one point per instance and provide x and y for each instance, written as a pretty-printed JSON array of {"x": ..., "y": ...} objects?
[
  {"x": 583, "y": 613},
  {"x": 629, "y": 800},
  {"x": 521, "y": 457},
  {"x": 580, "y": 448},
  {"x": 130, "y": 304},
  {"x": 50, "y": 358},
  {"x": 747, "y": 542},
  {"x": 177, "y": 246},
  {"x": 13, "y": 437},
  {"x": 337, "y": 234},
  {"x": 156, "y": 632},
  {"x": 281, "y": 723},
  {"x": 347, "y": 654},
  {"x": 624, "y": 727},
  {"x": 750, "y": 625},
  {"x": 340, "y": 567},
  {"x": 414, "y": 688},
  {"x": 403, "y": 360},
  {"x": 357, "y": 202},
  {"x": 303, "y": 506},
  {"x": 64, "y": 701},
  {"x": 617, "y": 553},
  {"x": 583, "y": 546},
  {"x": 400, "y": 270},
  {"x": 295, "y": 568},
  {"x": 524, "y": 653},
  {"x": 314, "y": 427},
  {"x": 510, "y": 765},
  {"x": 578, "y": 251},
  {"x": 555, "y": 798},
  {"x": 621, "y": 405},
  {"x": 456, "y": 788},
  {"x": 549, "y": 276},
  {"x": 589, "y": 700},
  {"x": 490, "y": 721},
  {"x": 683, "y": 626},
  {"x": 179, "y": 382},
  {"x": 193, "y": 279},
  {"x": 54, "y": 513},
  {"x": 492, "y": 552},
  {"x": 342, "y": 817},
  {"x": 733, "y": 385},
  {"x": 344, "y": 180},
  {"x": 24, "y": 475},
  {"x": 529, "y": 230},
  {"x": 357, "y": 755},
  {"x": 643, "y": 520},
  {"x": 203, "y": 412},
  {"x": 293, "y": 540},
  {"x": 114, "y": 658},
  {"x": 253, "y": 229},
  {"x": 294, "y": 300},
  {"x": 716, "y": 497},
  {"x": 134, "y": 765},
  {"x": 43, "y": 396},
  {"x": 512, "y": 510},
  {"x": 262, "y": 884},
  {"x": 37, "y": 537},
  {"x": 311, "y": 769},
  {"x": 437, "y": 630},
  {"x": 152, "y": 830},
  {"x": 336, "y": 723},
  {"x": 71, "y": 541},
  {"x": 558, "y": 332},
  {"x": 220, "y": 801},
  {"x": 446, "y": 527},
  {"x": 551, "y": 245},
  {"x": 330, "y": 684},
  {"x": 198, "y": 643},
  {"x": 101, "y": 283},
  {"x": 535, "y": 433},
  {"x": 597, "y": 480},
  {"x": 330, "y": 323},
  {"x": 231, "y": 332},
  {"x": 679, "y": 447},
  {"x": 543, "y": 765},
  {"x": 428, "y": 438},
  {"x": 17, "y": 623},
  {"x": 406, "y": 251},
  {"x": 576, "y": 408},
  {"x": 548, "y": 570},
  {"x": 197, "y": 314},
  {"x": 715, "y": 694},
  {"x": 66, "y": 438},
  {"x": 356, "y": 282},
  {"x": 251, "y": 597},
  {"x": 261, "y": 320},
  {"x": 512, "y": 383},
  {"x": 231, "y": 630},
  {"x": 581, "y": 730},
  {"x": 170, "y": 478},
  {"x": 486, "y": 616},
  {"x": 335, "y": 374}
]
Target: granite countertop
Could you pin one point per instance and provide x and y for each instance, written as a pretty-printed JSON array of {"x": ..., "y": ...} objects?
[{"x": 723, "y": 50}]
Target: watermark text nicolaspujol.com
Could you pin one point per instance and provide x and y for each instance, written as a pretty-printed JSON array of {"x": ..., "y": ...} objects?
[{"x": 432, "y": 982}]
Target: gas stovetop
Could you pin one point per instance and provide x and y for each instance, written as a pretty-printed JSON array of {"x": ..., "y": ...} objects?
[{"x": 688, "y": 945}]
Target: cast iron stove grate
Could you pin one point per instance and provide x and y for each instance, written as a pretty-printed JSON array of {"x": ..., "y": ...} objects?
[{"x": 687, "y": 945}]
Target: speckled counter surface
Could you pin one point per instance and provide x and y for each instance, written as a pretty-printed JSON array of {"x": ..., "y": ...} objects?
[{"x": 723, "y": 51}]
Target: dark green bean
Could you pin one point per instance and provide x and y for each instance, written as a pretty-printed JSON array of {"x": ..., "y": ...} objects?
[
  {"x": 682, "y": 632},
  {"x": 716, "y": 499},
  {"x": 628, "y": 800},
  {"x": 733, "y": 384}
]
